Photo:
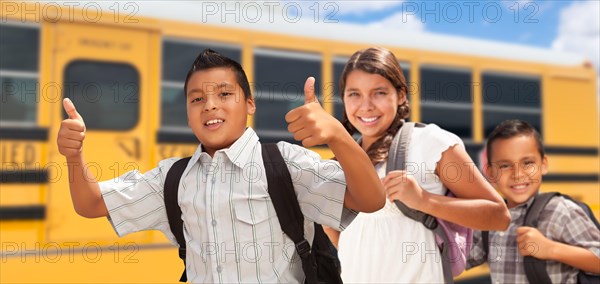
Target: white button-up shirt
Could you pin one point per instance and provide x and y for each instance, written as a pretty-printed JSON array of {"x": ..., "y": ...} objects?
[{"x": 230, "y": 226}]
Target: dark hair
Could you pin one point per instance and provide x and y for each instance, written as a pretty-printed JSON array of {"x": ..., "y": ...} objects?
[
  {"x": 378, "y": 60},
  {"x": 209, "y": 59},
  {"x": 509, "y": 129}
]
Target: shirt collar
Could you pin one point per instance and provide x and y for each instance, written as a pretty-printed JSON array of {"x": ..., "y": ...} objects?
[
  {"x": 238, "y": 153},
  {"x": 524, "y": 206}
]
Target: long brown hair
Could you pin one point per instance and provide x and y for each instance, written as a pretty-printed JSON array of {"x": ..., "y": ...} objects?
[{"x": 378, "y": 60}]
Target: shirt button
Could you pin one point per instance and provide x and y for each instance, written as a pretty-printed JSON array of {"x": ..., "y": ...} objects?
[
  {"x": 219, "y": 269},
  {"x": 214, "y": 222}
]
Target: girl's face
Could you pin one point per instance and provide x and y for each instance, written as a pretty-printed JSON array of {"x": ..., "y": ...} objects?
[{"x": 371, "y": 102}]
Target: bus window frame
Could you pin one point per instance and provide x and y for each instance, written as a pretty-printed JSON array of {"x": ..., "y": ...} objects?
[
  {"x": 10, "y": 73},
  {"x": 461, "y": 106},
  {"x": 516, "y": 109},
  {"x": 271, "y": 135}
]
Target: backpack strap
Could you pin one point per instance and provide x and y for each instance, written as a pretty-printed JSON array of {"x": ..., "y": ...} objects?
[
  {"x": 485, "y": 241},
  {"x": 535, "y": 269},
  {"x": 283, "y": 197},
  {"x": 171, "y": 190},
  {"x": 397, "y": 161}
]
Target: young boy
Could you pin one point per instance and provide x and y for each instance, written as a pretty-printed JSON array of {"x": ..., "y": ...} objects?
[
  {"x": 566, "y": 238},
  {"x": 231, "y": 229}
]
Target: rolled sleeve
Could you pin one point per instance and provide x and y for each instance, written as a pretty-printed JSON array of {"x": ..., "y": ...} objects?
[
  {"x": 135, "y": 201},
  {"x": 572, "y": 225},
  {"x": 320, "y": 186}
]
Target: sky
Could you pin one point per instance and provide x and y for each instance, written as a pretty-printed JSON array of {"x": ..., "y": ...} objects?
[{"x": 571, "y": 26}]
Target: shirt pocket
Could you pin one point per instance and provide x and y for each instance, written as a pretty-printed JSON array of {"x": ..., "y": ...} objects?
[{"x": 254, "y": 219}]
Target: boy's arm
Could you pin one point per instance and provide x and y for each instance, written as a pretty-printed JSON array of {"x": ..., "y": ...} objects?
[
  {"x": 312, "y": 125},
  {"x": 531, "y": 241},
  {"x": 85, "y": 192}
]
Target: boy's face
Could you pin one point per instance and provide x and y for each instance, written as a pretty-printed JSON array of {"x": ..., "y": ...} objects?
[
  {"x": 516, "y": 168},
  {"x": 216, "y": 108}
]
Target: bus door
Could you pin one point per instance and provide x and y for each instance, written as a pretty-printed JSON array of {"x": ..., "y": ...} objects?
[{"x": 107, "y": 72}]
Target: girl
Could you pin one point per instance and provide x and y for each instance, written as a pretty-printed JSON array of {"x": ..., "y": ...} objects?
[{"x": 386, "y": 246}]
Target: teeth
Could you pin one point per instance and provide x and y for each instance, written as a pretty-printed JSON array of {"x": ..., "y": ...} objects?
[
  {"x": 214, "y": 121},
  {"x": 520, "y": 186},
  {"x": 368, "y": 119}
]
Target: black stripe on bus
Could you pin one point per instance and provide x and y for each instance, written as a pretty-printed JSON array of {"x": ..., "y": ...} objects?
[
  {"x": 166, "y": 136},
  {"x": 476, "y": 280},
  {"x": 34, "y": 212},
  {"x": 570, "y": 178},
  {"x": 571, "y": 151},
  {"x": 578, "y": 151},
  {"x": 24, "y": 176},
  {"x": 24, "y": 133}
]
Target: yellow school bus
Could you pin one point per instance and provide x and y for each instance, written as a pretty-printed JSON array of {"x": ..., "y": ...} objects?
[{"x": 124, "y": 68}]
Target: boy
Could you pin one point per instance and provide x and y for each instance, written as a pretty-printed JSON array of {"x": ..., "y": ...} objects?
[
  {"x": 566, "y": 238},
  {"x": 231, "y": 229}
]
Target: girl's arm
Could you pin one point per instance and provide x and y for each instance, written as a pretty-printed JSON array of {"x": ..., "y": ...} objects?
[
  {"x": 85, "y": 192},
  {"x": 476, "y": 205}
]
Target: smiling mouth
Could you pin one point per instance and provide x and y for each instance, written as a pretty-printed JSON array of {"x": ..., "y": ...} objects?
[
  {"x": 519, "y": 187},
  {"x": 213, "y": 122},
  {"x": 368, "y": 119}
]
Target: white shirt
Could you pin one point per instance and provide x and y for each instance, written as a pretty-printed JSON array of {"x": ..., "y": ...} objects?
[
  {"x": 231, "y": 229},
  {"x": 388, "y": 247}
]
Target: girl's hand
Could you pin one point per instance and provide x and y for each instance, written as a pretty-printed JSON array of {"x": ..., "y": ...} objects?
[
  {"x": 400, "y": 186},
  {"x": 310, "y": 123},
  {"x": 531, "y": 242}
]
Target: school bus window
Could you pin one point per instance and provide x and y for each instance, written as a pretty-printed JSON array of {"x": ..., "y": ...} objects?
[
  {"x": 510, "y": 97},
  {"x": 279, "y": 87},
  {"x": 19, "y": 50},
  {"x": 19, "y": 47},
  {"x": 336, "y": 97},
  {"x": 446, "y": 99},
  {"x": 173, "y": 106},
  {"x": 177, "y": 58},
  {"x": 106, "y": 94},
  {"x": 19, "y": 99}
]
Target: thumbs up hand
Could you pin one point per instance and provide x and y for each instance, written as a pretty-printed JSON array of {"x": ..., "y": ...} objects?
[
  {"x": 310, "y": 123},
  {"x": 71, "y": 132}
]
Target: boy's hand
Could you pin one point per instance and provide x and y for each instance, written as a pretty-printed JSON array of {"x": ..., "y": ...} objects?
[
  {"x": 71, "y": 132},
  {"x": 531, "y": 242},
  {"x": 400, "y": 186},
  {"x": 310, "y": 123}
]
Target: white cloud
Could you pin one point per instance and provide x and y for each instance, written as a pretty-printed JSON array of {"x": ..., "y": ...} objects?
[
  {"x": 579, "y": 31},
  {"x": 400, "y": 21},
  {"x": 364, "y": 6}
]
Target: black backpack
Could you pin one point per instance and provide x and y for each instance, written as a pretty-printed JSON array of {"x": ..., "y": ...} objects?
[
  {"x": 535, "y": 269},
  {"x": 319, "y": 263}
]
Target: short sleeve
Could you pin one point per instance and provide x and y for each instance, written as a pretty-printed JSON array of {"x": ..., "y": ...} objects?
[
  {"x": 425, "y": 151},
  {"x": 320, "y": 186},
  {"x": 135, "y": 201},
  {"x": 569, "y": 224}
]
